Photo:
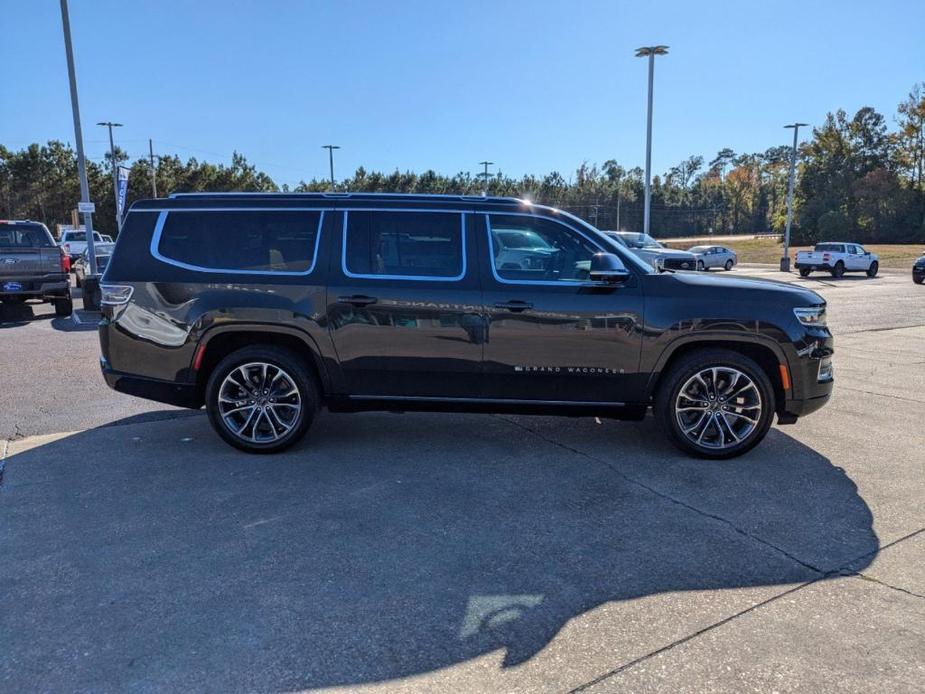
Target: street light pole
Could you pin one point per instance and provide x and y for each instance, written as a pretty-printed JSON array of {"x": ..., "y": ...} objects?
[
  {"x": 649, "y": 52},
  {"x": 485, "y": 176},
  {"x": 153, "y": 170},
  {"x": 331, "y": 149},
  {"x": 115, "y": 170},
  {"x": 78, "y": 136},
  {"x": 785, "y": 259}
]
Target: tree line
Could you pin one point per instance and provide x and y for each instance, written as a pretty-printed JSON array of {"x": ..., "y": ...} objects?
[{"x": 857, "y": 178}]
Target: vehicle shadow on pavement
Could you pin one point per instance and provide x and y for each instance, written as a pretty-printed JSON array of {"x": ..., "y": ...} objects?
[
  {"x": 15, "y": 315},
  {"x": 382, "y": 546}
]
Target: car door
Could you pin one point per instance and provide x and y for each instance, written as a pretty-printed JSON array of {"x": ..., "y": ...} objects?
[
  {"x": 857, "y": 259},
  {"x": 552, "y": 335},
  {"x": 404, "y": 304}
]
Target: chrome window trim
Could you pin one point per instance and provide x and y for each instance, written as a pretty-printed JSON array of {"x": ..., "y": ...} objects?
[
  {"x": 534, "y": 283},
  {"x": 414, "y": 278},
  {"x": 162, "y": 219}
]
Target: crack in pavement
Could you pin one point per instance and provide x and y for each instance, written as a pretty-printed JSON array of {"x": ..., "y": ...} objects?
[
  {"x": 882, "y": 395},
  {"x": 842, "y": 571},
  {"x": 666, "y": 497}
]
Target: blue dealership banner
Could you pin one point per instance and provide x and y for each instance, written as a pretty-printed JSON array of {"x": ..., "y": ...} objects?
[{"x": 122, "y": 189}]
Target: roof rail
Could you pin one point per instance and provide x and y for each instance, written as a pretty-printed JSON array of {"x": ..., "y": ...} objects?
[{"x": 424, "y": 196}]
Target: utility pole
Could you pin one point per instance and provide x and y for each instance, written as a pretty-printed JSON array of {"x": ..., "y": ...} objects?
[
  {"x": 153, "y": 169},
  {"x": 78, "y": 137},
  {"x": 331, "y": 149},
  {"x": 115, "y": 170},
  {"x": 485, "y": 176},
  {"x": 649, "y": 52},
  {"x": 785, "y": 259}
]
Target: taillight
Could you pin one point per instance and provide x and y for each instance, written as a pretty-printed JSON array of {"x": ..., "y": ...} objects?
[
  {"x": 825, "y": 257},
  {"x": 115, "y": 294},
  {"x": 65, "y": 262}
]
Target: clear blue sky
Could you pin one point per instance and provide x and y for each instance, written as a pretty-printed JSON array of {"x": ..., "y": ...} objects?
[{"x": 535, "y": 86}]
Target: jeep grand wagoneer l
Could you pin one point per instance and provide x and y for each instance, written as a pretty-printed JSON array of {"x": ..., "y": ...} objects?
[{"x": 265, "y": 307}]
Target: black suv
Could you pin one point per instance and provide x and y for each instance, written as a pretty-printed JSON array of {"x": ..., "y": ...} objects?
[{"x": 264, "y": 307}]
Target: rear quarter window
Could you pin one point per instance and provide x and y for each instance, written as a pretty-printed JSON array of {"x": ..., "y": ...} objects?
[{"x": 253, "y": 241}]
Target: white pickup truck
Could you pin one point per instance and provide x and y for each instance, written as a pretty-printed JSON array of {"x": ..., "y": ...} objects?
[
  {"x": 74, "y": 242},
  {"x": 837, "y": 258}
]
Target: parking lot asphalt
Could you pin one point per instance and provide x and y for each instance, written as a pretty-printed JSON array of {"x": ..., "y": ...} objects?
[{"x": 429, "y": 552}]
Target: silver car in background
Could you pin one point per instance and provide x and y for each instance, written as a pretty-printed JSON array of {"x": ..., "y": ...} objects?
[
  {"x": 714, "y": 256},
  {"x": 654, "y": 253}
]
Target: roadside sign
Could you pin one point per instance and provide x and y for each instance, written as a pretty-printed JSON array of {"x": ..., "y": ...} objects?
[{"x": 86, "y": 207}]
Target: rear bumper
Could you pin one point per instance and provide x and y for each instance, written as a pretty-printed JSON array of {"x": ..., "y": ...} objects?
[
  {"x": 44, "y": 286},
  {"x": 813, "y": 266},
  {"x": 178, "y": 394}
]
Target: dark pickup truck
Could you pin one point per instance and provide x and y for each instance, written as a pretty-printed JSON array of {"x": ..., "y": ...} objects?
[{"x": 32, "y": 266}]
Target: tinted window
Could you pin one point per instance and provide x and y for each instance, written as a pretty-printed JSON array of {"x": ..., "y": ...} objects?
[
  {"x": 563, "y": 256},
  {"x": 248, "y": 240},
  {"x": 830, "y": 247},
  {"x": 24, "y": 236},
  {"x": 404, "y": 244}
]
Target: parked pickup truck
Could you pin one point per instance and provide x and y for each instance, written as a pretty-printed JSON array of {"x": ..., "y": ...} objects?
[
  {"x": 32, "y": 266},
  {"x": 74, "y": 243},
  {"x": 837, "y": 258}
]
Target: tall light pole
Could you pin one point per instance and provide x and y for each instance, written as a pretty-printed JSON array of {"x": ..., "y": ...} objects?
[
  {"x": 78, "y": 137},
  {"x": 153, "y": 169},
  {"x": 115, "y": 170},
  {"x": 649, "y": 52},
  {"x": 485, "y": 176},
  {"x": 785, "y": 259},
  {"x": 331, "y": 149}
]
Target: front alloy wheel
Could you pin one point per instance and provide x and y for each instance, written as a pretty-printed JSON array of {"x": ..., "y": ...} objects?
[
  {"x": 715, "y": 403},
  {"x": 718, "y": 407}
]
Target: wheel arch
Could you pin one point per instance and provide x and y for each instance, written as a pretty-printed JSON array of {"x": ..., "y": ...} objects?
[
  {"x": 765, "y": 352},
  {"x": 218, "y": 343}
]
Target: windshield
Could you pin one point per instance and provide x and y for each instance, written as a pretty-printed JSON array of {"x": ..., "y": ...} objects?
[
  {"x": 639, "y": 240},
  {"x": 24, "y": 236}
]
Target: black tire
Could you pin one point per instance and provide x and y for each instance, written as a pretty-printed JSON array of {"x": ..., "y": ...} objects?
[
  {"x": 872, "y": 270},
  {"x": 294, "y": 369},
  {"x": 728, "y": 265},
  {"x": 700, "y": 266},
  {"x": 839, "y": 269},
  {"x": 685, "y": 369},
  {"x": 64, "y": 306},
  {"x": 804, "y": 272},
  {"x": 918, "y": 280}
]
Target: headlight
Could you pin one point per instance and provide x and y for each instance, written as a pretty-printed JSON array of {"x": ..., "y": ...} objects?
[{"x": 811, "y": 315}]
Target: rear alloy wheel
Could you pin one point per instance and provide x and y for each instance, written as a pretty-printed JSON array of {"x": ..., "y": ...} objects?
[
  {"x": 872, "y": 270},
  {"x": 261, "y": 399},
  {"x": 716, "y": 404},
  {"x": 839, "y": 269},
  {"x": 804, "y": 272},
  {"x": 728, "y": 265},
  {"x": 64, "y": 306}
]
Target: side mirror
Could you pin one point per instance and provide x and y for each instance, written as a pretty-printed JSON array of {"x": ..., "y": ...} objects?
[{"x": 607, "y": 267}]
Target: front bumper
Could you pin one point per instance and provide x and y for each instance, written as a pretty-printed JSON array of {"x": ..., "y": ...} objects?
[{"x": 806, "y": 359}]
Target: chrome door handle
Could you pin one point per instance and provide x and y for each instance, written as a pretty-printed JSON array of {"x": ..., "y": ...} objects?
[
  {"x": 357, "y": 300},
  {"x": 515, "y": 306}
]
